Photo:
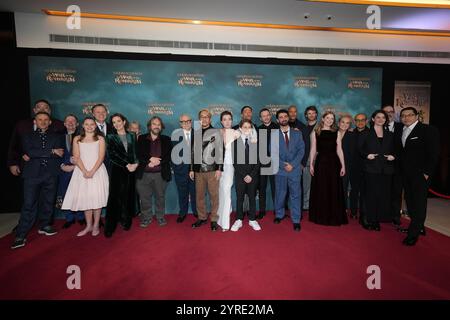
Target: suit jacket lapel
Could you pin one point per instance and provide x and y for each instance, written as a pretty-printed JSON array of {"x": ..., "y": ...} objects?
[{"x": 412, "y": 133}]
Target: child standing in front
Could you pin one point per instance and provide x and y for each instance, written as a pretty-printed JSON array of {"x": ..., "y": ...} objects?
[{"x": 89, "y": 187}]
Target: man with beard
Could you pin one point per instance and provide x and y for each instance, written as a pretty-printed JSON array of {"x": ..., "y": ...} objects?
[{"x": 153, "y": 172}]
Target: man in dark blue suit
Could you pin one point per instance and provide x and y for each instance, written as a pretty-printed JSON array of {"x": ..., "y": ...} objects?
[
  {"x": 44, "y": 150},
  {"x": 291, "y": 149},
  {"x": 185, "y": 185}
]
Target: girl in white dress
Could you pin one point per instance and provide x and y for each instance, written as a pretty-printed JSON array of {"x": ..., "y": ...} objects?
[
  {"x": 226, "y": 179},
  {"x": 89, "y": 186}
]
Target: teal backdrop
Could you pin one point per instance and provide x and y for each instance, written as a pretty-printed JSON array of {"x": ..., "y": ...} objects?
[{"x": 141, "y": 89}]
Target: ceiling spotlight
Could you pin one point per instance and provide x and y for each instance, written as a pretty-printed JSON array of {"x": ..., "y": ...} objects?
[
  {"x": 306, "y": 16},
  {"x": 329, "y": 17}
]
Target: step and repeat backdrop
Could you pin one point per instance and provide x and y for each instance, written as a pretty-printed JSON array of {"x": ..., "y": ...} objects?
[{"x": 141, "y": 89}]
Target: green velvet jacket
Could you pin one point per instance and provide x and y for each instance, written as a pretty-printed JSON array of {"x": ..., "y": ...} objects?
[{"x": 117, "y": 154}]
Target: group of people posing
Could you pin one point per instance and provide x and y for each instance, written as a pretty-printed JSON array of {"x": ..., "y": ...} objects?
[{"x": 324, "y": 167}]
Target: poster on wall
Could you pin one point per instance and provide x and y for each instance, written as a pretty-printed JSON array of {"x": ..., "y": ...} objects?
[{"x": 413, "y": 94}]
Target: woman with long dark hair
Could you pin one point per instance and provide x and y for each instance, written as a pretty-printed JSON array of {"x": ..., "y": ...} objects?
[
  {"x": 121, "y": 148},
  {"x": 377, "y": 148}
]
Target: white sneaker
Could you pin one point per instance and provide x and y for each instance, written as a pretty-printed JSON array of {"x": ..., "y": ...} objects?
[
  {"x": 255, "y": 225},
  {"x": 237, "y": 225}
]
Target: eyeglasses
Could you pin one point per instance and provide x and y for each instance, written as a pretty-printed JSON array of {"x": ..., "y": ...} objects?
[
  {"x": 185, "y": 121},
  {"x": 360, "y": 120},
  {"x": 408, "y": 115}
]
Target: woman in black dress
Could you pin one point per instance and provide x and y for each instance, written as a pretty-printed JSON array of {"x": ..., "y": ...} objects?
[
  {"x": 327, "y": 202},
  {"x": 377, "y": 148}
]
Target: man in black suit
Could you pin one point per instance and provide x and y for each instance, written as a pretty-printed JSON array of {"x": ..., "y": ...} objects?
[
  {"x": 266, "y": 126},
  {"x": 396, "y": 188},
  {"x": 44, "y": 150},
  {"x": 185, "y": 186},
  {"x": 23, "y": 127},
  {"x": 100, "y": 114},
  {"x": 357, "y": 172},
  {"x": 153, "y": 173},
  {"x": 418, "y": 160},
  {"x": 246, "y": 172}
]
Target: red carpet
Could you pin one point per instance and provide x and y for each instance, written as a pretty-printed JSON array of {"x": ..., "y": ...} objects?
[{"x": 177, "y": 262}]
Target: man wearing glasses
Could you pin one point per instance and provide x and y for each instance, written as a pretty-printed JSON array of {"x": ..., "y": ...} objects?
[
  {"x": 357, "y": 176},
  {"x": 185, "y": 185},
  {"x": 419, "y": 156}
]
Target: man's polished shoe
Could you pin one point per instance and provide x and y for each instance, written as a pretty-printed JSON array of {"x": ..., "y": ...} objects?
[
  {"x": 181, "y": 218},
  {"x": 214, "y": 226},
  {"x": 278, "y": 220},
  {"x": 68, "y": 224},
  {"x": 108, "y": 234},
  {"x": 126, "y": 226},
  {"x": 297, "y": 227},
  {"x": 366, "y": 225},
  {"x": 410, "y": 240},
  {"x": 198, "y": 223},
  {"x": 423, "y": 232},
  {"x": 376, "y": 227}
]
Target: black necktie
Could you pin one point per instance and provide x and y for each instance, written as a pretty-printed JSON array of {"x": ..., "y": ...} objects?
[{"x": 247, "y": 151}]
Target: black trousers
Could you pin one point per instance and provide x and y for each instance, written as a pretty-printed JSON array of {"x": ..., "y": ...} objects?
[
  {"x": 396, "y": 195},
  {"x": 243, "y": 188},
  {"x": 121, "y": 205},
  {"x": 38, "y": 194},
  {"x": 377, "y": 195},
  {"x": 416, "y": 192},
  {"x": 263, "y": 181},
  {"x": 357, "y": 190}
]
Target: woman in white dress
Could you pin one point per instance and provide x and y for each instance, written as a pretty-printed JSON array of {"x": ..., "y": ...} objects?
[
  {"x": 226, "y": 179},
  {"x": 89, "y": 186}
]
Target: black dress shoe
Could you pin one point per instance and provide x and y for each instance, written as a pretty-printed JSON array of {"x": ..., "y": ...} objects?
[
  {"x": 277, "y": 220},
  {"x": 181, "y": 218},
  {"x": 353, "y": 216},
  {"x": 126, "y": 226},
  {"x": 214, "y": 226},
  {"x": 108, "y": 234},
  {"x": 366, "y": 225},
  {"x": 376, "y": 226},
  {"x": 261, "y": 215},
  {"x": 198, "y": 223},
  {"x": 297, "y": 227},
  {"x": 423, "y": 232},
  {"x": 410, "y": 240},
  {"x": 68, "y": 224}
]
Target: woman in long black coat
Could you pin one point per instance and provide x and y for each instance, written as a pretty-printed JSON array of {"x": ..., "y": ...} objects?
[
  {"x": 377, "y": 147},
  {"x": 121, "y": 148}
]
